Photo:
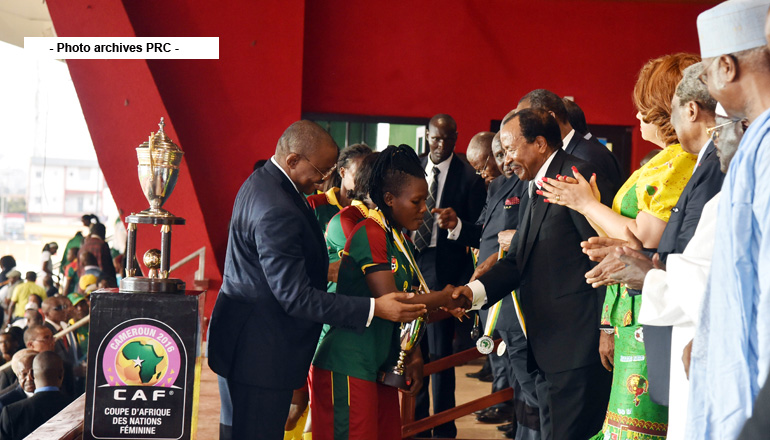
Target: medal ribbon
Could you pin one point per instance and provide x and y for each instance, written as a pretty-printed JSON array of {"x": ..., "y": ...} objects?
[
  {"x": 377, "y": 216},
  {"x": 500, "y": 255}
]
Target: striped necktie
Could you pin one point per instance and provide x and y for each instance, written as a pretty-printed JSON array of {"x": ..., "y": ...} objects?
[{"x": 422, "y": 237}]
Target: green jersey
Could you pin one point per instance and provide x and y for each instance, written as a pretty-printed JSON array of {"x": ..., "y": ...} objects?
[
  {"x": 371, "y": 248},
  {"x": 325, "y": 206}
]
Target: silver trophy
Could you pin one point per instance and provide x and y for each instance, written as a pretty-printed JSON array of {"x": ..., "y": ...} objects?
[{"x": 159, "y": 159}]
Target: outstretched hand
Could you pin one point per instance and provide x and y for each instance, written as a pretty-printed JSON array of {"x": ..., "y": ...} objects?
[
  {"x": 392, "y": 308},
  {"x": 447, "y": 217},
  {"x": 598, "y": 247},
  {"x": 461, "y": 300}
]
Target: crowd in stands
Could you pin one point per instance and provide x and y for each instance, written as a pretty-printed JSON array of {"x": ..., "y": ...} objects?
[
  {"x": 616, "y": 321},
  {"x": 40, "y": 372}
]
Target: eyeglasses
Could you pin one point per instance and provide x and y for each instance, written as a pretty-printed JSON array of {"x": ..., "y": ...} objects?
[
  {"x": 60, "y": 308},
  {"x": 325, "y": 175},
  {"x": 45, "y": 339},
  {"x": 713, "y": 132}
]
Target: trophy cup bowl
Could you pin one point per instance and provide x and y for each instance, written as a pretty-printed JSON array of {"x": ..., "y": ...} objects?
[
  {"x": 411, "y": 332},
  {"x": 159, "y": 160}
]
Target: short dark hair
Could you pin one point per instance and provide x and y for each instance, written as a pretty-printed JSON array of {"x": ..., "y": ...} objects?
[
  {"x": 536, "y": 122},
  {"x": 30, "y": 276},
  {"x": 7, "y": 262},
  {"x": 98, "y": 229},
  {"x": 363, "y": 176},
  {"x": 388, "y": 172},
  {"x": 352, "y": 152},
  {"x": 577, "y": 119},
  {"x": 548, "y": 101}
]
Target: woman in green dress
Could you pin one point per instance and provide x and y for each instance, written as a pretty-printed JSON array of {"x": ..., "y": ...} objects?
[{"x": 641, "y": 207}]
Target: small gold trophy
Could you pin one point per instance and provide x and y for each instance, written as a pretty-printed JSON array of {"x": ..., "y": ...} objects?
[
  {"x": 411, "y": 333},
  {"x": 159, "y": 160}
]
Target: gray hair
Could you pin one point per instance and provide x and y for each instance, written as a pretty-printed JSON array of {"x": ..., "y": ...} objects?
[{"x": 692, "y": 89}]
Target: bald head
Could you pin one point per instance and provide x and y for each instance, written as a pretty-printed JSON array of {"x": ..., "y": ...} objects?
[
  {"x": 480, "y": 147},
  {"x": 48, "y": 370},
  {"x": 303, "y": 137},
  {"x": 22, "y": 358},
  {"x": 308, "y": 155}
]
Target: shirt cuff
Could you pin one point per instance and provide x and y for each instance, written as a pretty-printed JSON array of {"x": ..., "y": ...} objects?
[
  {"x": 454, "y": 234},
  {"x": 371, "y": 312},
  {"x": 479, "y": 294}
]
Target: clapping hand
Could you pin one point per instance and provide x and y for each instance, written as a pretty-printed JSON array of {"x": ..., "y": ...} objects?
[
  {"x": 575, "y": 193},
  {"x": 504, "y": 238},
  {"x": 601, "y": 274},
  {"x": 447, "y": 217},
  {"x": 598, "y": 247},
  {"x": 636, "y": 267}
]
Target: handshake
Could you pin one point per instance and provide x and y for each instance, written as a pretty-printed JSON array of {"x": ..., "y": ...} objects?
[{"x": 408, "y": 306}]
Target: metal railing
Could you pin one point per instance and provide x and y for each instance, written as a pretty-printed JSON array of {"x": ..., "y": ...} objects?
[{"x": 201, "y": 254}]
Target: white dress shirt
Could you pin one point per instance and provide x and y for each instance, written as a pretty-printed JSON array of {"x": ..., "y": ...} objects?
[
  {"x": 371, "y": 303},
  {"x": 443, "y": 168},
  {"x": 567, "y": 138},
  {"x": 476, "y": 286}
]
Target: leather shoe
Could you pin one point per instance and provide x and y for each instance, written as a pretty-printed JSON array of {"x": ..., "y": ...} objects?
[
  {"x": 479, "y": 374},
  {"x": 506, "y": 427},
  {"x": 495, "y": 415},
  {"x": 511, "y": 433}
]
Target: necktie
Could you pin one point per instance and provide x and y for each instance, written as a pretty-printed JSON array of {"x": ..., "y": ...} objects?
[
  {"x": 422, "y": 237},
  {"x": 532, "y": 198}
]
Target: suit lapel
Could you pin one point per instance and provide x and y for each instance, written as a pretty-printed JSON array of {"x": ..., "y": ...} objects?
[
  {"x": 576, "y": 137},
  {"x": 502, "y": 193},
  {"x": 298, "y": 199},
  {"x": 540, "y": 206},
  {"x": 451, "y": 183}
]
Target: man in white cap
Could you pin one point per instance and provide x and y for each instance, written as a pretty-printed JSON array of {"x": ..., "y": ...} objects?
[{"x": 731, "y": 349}]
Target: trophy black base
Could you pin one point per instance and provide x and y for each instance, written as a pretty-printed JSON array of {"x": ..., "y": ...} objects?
[
  {"x": 393, "y": 379},
  {"x": 151, "y": 285}
]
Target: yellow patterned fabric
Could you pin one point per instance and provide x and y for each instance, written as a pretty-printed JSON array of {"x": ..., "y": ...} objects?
[{"x": 660, "y": 182}]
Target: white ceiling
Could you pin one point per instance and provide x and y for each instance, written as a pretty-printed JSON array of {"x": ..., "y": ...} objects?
[{"x": 24, "y": 18}]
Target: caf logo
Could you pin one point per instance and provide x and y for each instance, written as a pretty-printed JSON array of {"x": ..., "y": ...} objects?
[{"x": 141, "y": 355}]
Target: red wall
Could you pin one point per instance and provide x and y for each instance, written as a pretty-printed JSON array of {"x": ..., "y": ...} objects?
[
  {"x": 474, "y": 59},
  {"x": 471, "y": 58}
]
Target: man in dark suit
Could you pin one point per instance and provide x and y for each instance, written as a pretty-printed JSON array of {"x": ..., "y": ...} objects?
[
  {"x": 590, "y": 150},
  {"x": 268, "y": 315},
  {"x": 22, "y": 368},
  {"x": 546, "y": 267},
  {"x": 21, "y": 418},
  {"x": 501, "y": 213},
  {"x": 451, "y": 183}
]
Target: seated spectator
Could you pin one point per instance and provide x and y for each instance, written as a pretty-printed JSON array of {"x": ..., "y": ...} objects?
[
  {"x": 21, "y": 295},
  {"x": 70, "y": 271},
  {"x": 88, "y": 265},
  {"x": 80, "y": 309},
  {"x": 8, "y": 346},
  {"x": 40, "y": 339},
  {"x": 7, "y": 264},
  {"x": 48, "y": 285},
  {"x": 96, "y": 245},
  {"x": 32, "y": 317},
  {"x": 55, "y": 312},
  {"x": 13, "y": 279},
  {"x": 87, "y": 284},
  {"x": 25, "y": 386},
  {"x": 21, "y": 418}
]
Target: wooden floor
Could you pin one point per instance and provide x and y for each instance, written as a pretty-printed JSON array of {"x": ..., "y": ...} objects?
[{"x": 467, "y": 389}]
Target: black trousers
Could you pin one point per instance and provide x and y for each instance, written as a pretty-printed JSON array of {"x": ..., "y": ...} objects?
[
  {"x": 576, "y": 402},
  {"x": 258, "y": 413}
]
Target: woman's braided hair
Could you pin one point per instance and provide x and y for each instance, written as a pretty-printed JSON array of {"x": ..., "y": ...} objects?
[{"x": 388, "y": 174}]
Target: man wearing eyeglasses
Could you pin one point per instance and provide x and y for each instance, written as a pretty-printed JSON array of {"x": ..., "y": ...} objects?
[
  {"x": 452, "y": 183},
  {"x": 268, "y": 315}
]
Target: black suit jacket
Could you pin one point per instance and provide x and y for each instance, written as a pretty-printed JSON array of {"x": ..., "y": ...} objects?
[
  {"x": 603, "y": 160},
  {"x": 21, "y": 418},
  {"x": 500, "y": 213},
  {"x": 13, "y": 395},
  {"x": 268, "y": 315},
  {"x": 547, "y": 268},
  {"x": 465, "y": 192},
  {"x": 704, "y": 184}
]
